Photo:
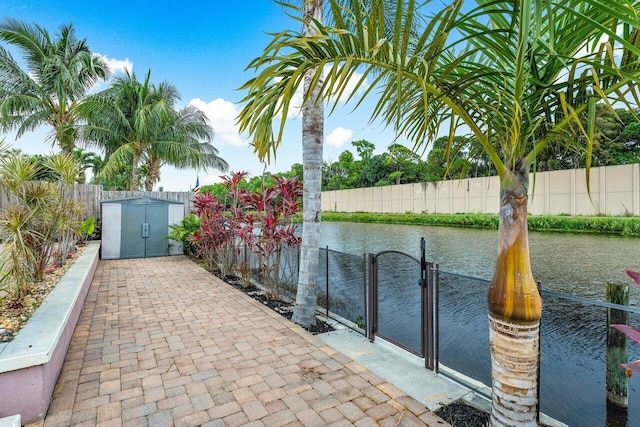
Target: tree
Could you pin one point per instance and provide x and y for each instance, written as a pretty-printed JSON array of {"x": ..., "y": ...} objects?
[
  {"x": 341, "y": 174},
  {"x": 85, "y": 160},
  {"x": 611, "y": 143},
  {"x": 364, "y": 149},
  {"x": 136, "y": 122},
  {"x": 448, "y": 158},
  {"x": 59, "y": 73},
  {"x": 404, "y": 163},
  {"x": 188, "y": 127},
  {"x": 296, "y": 171},
  {"x": 516, "y": 73},
  {"x": 375, "y": 171},
  {"x": 312, "y": 139}
]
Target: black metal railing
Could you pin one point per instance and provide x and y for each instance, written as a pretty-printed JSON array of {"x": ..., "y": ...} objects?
[{"x": 573, "y": 329}]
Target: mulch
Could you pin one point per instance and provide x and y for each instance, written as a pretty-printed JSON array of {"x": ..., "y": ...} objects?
[
  {"x": 280, "y": 306},
  {"x": 460, "y": 414}
]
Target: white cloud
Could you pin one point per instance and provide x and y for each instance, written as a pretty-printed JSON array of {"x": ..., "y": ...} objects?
[
  {"x": 222, "y": 116},
  {"x": 117, "y": 65},
  {"x": 339, "y": 136}
]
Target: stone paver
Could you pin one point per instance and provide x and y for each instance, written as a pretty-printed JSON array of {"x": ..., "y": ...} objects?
[{"x": 161, "y": 341}]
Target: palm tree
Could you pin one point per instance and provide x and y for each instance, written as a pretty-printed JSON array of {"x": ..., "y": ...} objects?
[
  {"x": 312, "y": 140},
  {"x": 188, "y": 126},
  {"x": 304, "y": 312},
  {"x": 134, "y": 121},
  {"x": 516, "y": 73},
  {"x": 59, "y": 74},
  {"x": 85, "y": 160}
]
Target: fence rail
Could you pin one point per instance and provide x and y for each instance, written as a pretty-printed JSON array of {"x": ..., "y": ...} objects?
[{"x": 92, "y": 195}]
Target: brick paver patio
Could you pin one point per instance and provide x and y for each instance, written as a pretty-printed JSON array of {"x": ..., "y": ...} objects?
[{"x": 161, "y": 342}]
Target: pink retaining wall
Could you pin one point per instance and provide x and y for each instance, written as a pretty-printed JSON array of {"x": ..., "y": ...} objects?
[{"x": 27, "y": 380}]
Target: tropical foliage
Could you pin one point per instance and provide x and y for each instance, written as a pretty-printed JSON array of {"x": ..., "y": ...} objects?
[
  {"x": 41, "y": 224},
  {"x": 518, "y": 74},
  {"x": 260, "y": 221},
  {"x": 137, "y": 122},
  {"x": 59, "y": 73}
]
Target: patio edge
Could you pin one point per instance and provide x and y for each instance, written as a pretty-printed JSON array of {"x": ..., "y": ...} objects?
[{"x": 31, "y": 363}]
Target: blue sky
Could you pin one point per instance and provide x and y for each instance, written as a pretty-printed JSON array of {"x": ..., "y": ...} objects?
[{"x": 201, "y": 47}]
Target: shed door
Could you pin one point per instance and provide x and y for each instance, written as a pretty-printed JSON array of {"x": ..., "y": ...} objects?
[{"x": 143, "y": 231}]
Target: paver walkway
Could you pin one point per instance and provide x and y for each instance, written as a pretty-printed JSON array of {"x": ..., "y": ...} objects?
[{"x": 162, "y": 342}]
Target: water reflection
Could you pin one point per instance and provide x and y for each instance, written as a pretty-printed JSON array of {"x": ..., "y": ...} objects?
[{"x": 574, "y": 264}]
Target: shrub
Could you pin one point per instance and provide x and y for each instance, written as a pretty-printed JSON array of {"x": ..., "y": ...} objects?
[
  {"x": 183, "y": 232},
  {"x": 42, "y": 221}
]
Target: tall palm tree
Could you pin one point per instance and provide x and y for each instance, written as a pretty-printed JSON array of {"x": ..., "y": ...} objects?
[
  {"x": 59, "y": 73},
  {"x": 515, "y": 73},
  {"x": 135, "y": 120},
  {"x": 312, "y": 143},
  {"x": 304, "y": 312},
  {"x": 189, "y": 126}
]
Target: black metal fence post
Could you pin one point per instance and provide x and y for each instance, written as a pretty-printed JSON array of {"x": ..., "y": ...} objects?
[
  {"x": 366, "y": 302},
  {"x": 436, "y": 321},
  {"x": 373, "y": 296},
  {"x": 327, "y": 276}
]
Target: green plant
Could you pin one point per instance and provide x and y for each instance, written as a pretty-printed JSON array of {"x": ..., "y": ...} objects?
[
  {"x": 87, "y": 227},
  {"x": 40, "y": 222},
  {"x": 183, "y": 232},
  {"x": 269, "y": 229}
]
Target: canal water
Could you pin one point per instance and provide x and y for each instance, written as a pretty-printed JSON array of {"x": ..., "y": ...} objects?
[{"x": 573, "y": 340}]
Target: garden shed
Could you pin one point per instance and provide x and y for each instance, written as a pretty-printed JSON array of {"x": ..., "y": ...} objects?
[{"x": 136, "y": 227}]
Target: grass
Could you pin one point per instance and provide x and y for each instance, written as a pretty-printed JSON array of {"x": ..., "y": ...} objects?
[{"x": 623, "y": 226}]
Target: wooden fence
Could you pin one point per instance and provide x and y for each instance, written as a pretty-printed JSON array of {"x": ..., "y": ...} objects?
[{"x": 92, "y": 195}]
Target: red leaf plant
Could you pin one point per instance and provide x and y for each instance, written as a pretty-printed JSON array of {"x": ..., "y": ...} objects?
[
  {"x": 260, "y": 221},
  {"x": 269, "y": 230},
  {"x": 632, "y": 333},
  {"x": 214, "y": 234}
]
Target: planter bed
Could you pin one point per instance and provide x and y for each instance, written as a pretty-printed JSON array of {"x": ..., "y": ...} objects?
[{"x": 31, "y": 363}]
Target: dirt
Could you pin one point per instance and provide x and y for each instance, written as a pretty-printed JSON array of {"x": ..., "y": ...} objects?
[{"x": 15, "y": 313}]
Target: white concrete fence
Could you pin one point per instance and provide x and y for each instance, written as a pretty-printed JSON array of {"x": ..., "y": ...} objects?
[{"x": 614, "y": 190}]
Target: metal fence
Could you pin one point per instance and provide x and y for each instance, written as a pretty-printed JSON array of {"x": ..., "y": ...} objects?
[
  {"x": 341, "y": 282},
  {"x": 573, "y": 350},
  {"x": 342, "y": 286},
  {"x": 573, "y": 331}
]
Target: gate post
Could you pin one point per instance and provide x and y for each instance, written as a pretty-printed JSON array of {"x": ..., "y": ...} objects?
[
  {"x": 436, "y": 317},
  {"x": 426, "y": 296},
  {"x": 373, "y": 296},
  {"x": 428, "y": 326}
]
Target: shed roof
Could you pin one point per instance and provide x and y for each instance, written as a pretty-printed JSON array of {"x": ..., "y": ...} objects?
[{"x": 143, "y": 201}]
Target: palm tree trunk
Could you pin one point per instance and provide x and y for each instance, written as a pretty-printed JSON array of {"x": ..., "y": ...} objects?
[
  {"x": 304, "y": 312},
  {"x": 153, "y": 171},
  {"x": 515, "y": 308},
  {"x": 134, "y": 172}
]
